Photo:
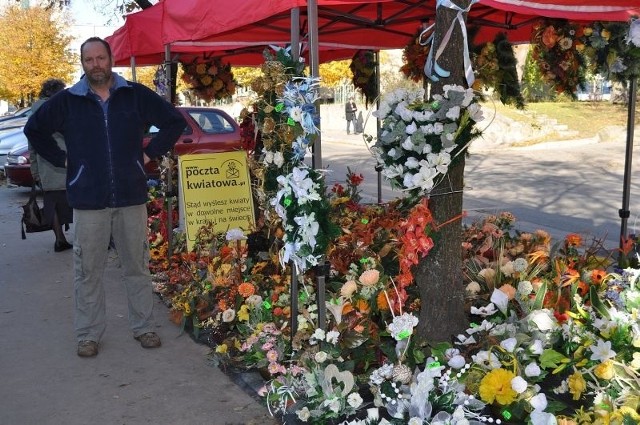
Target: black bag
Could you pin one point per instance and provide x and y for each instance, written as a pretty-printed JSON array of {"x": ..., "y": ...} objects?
[{"x": 33, "y": 216}]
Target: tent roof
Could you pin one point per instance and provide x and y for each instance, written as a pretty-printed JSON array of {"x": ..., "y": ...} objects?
[{"x": 240, "y": 30}]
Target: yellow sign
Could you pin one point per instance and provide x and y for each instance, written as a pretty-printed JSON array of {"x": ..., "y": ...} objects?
[{"x": 215, "y": 188}]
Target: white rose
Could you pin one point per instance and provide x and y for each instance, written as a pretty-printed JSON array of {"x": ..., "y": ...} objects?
[
  {"x": 304, "y": 414},
  {"x": 543, "y": 319},
  {"x": 457, "y": 362},
  {"x": 518, "y": 384},
  {"x": 278, "y": 159},
  {"x": 354, "y": 400},
  {"x": 536, "y": 348},
  {"x": 539, "y": 401},
  {"x": 509, "y": 344},
  {"x": 228, "y": 315},
  {"x": 321, "y": 356},
  {"x": 532, "y": 369}
]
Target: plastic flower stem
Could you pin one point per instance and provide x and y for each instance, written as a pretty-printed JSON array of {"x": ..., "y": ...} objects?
[{"x": 395, "y": 288}]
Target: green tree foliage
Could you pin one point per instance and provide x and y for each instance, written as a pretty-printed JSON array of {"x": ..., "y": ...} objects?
[
  {"x": 534, "y": 89},
  {"x": 33, "y": 47}
]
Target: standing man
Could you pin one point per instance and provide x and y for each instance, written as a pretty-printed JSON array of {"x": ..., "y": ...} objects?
[
  {"x": 103, "y": 118},
  {"x": 350, "y": 110}
]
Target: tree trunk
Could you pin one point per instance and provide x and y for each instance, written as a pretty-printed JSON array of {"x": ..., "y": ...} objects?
[{"x": 439, "y": 275}]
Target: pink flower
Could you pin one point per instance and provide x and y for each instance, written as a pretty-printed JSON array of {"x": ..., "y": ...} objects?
[
  {"x": 274, "y": 368},
  {"x": 272, "y": 356},
  {"x": 267, "y": 346},
  {"x": 369, "y": 277}
]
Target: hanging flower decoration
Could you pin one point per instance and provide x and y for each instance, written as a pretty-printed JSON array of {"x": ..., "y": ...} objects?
[
  {"x": 494, "y": 64},
  {"x": 554, "y": 49},
  {"x": 299, "y": 201},
  {"x": 211, "y": 80},
  {"x": 611, "y": 49},
  {"x": 288, "y": 122},
  {"x": 414, "y": 55},
  {"x": 419, "y": 139},
  {"x": 363, "y": 67}
]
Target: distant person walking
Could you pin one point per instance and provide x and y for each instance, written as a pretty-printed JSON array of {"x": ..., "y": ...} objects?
[
  {"x": 103, "y": 118},
  {"x": 52, "y": 179},
  {"x": 350, "y": 110}
]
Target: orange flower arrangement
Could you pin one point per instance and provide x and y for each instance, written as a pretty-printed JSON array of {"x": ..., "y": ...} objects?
[
  {"x": 554, "y": 49},
  {"x": 211, "y": 80}
]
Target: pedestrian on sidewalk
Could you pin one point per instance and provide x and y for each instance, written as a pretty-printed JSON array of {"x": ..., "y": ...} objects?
[
  {"x": 350, "y": 110},
  {"x": 52, "y": 179},
  {"x": 102, "y": 118}
]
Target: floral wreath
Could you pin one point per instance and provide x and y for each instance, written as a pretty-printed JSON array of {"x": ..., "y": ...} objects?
[
  {"x": 414, "y": 56},
  {"x": 363, "y": 67},
  {"x": 211, "y": 79},
  {"x": 554, "y": 50},
  {"x": 419, "y": 139},
  {"x": 611, "y": 49}
]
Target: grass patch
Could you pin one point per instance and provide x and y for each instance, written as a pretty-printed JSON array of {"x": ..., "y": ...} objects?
[{"x": 586, "y": 118}]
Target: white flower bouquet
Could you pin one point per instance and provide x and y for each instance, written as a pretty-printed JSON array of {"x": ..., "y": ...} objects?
[{"x": 420, "y": 139}]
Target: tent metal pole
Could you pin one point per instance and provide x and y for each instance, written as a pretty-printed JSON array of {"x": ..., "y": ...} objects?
[
  {"x": 133, "y": 69},
  {"x": 624, "y": 211},
  {"x": 169, "y": 194},
  {"x": 312, "y": 15},
  {"x": 295, "y": 33}
]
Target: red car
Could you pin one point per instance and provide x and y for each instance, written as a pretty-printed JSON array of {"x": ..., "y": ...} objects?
[{"x": 208, "y": 130}]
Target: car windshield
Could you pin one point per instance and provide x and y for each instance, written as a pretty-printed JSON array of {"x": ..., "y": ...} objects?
[{"x": 211, "y": 122}]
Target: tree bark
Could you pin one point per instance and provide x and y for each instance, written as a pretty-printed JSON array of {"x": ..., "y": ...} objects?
[{"x": 439, "y": 275}]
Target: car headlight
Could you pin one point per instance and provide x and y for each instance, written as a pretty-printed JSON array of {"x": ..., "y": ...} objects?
[{"x": 17, "y": 160}]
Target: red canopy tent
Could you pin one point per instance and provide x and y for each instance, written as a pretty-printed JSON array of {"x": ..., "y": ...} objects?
[{"x": 239, "y": 31}]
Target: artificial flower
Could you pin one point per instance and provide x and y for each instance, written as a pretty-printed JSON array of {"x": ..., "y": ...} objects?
[
  {"x": 604, "y": 370},
  {"x": 496, "y": 387},
  {"x": 602, "y": 351},
  {"x": 228, "y": 315},
  {"x": 577, "y": 385},
  {"x": 369, "y": 277}
]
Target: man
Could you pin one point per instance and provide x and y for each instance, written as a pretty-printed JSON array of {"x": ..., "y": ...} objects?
[
  {"x": 103, "y": 118},
  {"x": 350, "y": 110}
]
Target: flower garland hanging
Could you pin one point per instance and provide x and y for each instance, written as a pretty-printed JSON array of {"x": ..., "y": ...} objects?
[
  {"x": 211, "y": 79},
  {"x": 554, "y": 49},
  {"x": 288, "y": 121},
  {"x": 363, "y": 66},
  {"x": 419, "y": 139},
  {"x": 414, "y": 55},
  {"x": 612, "y": 49},
  {"x": 494, "y": 64}
]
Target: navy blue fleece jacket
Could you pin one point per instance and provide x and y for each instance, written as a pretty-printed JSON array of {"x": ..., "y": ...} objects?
[{"x": 104, "y": 152}]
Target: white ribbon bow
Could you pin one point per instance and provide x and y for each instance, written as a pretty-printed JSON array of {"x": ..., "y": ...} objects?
[{"x": 431, "y": 67}]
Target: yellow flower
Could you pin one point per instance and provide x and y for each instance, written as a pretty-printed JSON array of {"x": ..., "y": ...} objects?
[
  {"x": 577, "y": 385},
  {"x": 222, "y": 349},
  {"x": 605, "y": 34},
  {"x": 243, "y": 313},
  {"x": 625, "y": 413},
  {"x": 201, "y": 68},
  {"x": 496, "y": 386},
  {"x": 604, "y": 370},
  {"x": 588, "y": 31}
]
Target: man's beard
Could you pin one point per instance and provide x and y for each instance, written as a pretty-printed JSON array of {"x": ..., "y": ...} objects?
[{"x": 98, "y": 77}]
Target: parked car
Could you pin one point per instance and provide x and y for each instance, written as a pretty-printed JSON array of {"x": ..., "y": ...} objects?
[
  {"x": 17, "y": 168},
  {"x": 20, "y": 113},
  {"x": 208, "y": 130},
  {"x": 10, "y": 138}
]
